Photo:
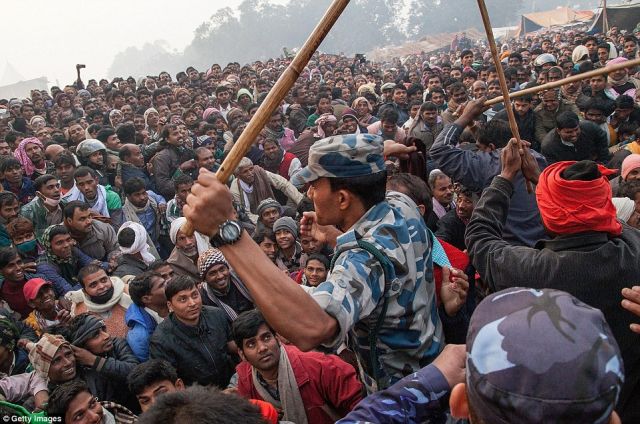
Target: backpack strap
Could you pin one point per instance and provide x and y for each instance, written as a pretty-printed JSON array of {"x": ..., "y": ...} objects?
[{"x": 388, "y": 270}]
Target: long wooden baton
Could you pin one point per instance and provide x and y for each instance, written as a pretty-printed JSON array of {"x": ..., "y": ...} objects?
[
  {"x": 275, "y": 96},
  {"x": 503, "y": 82},
  {"x": 568, "y": 80}
]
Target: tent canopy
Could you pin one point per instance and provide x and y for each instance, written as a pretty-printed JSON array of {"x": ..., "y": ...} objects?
[
  {"x": 624, "y": 16},
  {"x": 557, "y": 17}
]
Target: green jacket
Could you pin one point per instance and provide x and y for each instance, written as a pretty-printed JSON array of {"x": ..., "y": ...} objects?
[{"x": 37, "y": 213}]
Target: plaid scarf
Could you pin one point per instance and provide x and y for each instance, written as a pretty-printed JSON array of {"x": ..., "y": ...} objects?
[{"x": 41, "y": 354}]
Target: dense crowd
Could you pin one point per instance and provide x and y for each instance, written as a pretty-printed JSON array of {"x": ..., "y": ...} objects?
[{"x": 376, "y": 256}]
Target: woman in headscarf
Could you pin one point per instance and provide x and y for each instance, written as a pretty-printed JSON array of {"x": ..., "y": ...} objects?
[
  {"x": 363, "y": 110},
  {"x": 62, "y": 260},
  {"x": 151, "y": 119}
]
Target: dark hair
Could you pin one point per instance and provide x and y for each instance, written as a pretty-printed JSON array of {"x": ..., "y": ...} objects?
[
  {"x": 370, "y": 189},
  {"x": 567, "y": 119},
  {"x": 497, "y": 132},
  {"x": 61, "y": 396},
  {"x": 516, "y": 55},
  {"x": 589, "y": 38},
  {"x": 7, "y": 197},
  {"x": 147, "y": 373},
  {"x": 57, "y": 230},
  {"x": 42, "y": 180},
  {"x": 597, "y": 103},
  {"x": 141, "y": 285},
  {"x": 467, "y": 192},
  {"x": 624, "y": 102},
  {"x": 83, "y": 171},
  {"x": 88, "y": 270},
  {"x": 265, "y": 233},
  {"x": 322, "y": 96},
  {"x": 166, "y": 130},
  {"x": 182, "y": 179},
  {"x": 10, "y": 163},
  {"x": 628, "y": 127},
  {"x": 466, "y": 52},
  {"x": 70, "y": 208},
  {"x": 201, "y": 405},
  {"x": 320, "y": 258},
  {"x": 247, "y": 325},
  {"x": 178, "y": 284},
  {"x": 126, "y": 237},
  {"x": 126, "y": 133},
  {"x": 7, "y": 254},
  {"x": 133, "y": 185},
  {"x": 414, "y": 187},
  {"x": 456, "y": 86},
  {"x": 157, "y": 264},
  {"x": 428, "y": 106},
  {"x": 105, "y": 133},
  {"x": 64, "y": 159},
  {"x": 19, "y": 226},
  {"x": 388, "y": 114}
]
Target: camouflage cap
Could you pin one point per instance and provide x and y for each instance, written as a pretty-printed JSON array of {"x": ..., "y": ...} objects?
[
  {"x": 343, "y": 156},
  {"x": 537, "y": 356}
]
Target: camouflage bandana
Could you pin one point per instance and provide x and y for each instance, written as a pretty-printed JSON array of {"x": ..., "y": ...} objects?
[
  {"x": 541, "y": 356},
  {"x": 343, "y": 156}
]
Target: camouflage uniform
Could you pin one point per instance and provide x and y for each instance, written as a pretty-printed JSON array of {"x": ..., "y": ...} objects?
[
  {"x": 533, "y": 356},
  {"x": 410, "y": 334}
]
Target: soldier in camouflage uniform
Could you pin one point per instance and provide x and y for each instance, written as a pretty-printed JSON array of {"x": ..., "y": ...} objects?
[
  {"x": 532, "y": 356},
  {"x": 410, "y": 335},
  {"x": 383, "y": 304}
]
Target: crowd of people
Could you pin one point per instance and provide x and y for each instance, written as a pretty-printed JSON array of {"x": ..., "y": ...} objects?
[{"x": 377, "y": 255}]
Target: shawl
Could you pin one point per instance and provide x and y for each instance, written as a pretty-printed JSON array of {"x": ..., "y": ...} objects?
[
  {"x": 290, "y": 399},
  {"x": 260, "y": 190}
]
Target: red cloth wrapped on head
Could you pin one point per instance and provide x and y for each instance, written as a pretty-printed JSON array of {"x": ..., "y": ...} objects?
[{"x": 575, "y": 197}]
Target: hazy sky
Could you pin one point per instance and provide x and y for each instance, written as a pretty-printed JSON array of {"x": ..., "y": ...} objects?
[{"x": 47, "y": 38}]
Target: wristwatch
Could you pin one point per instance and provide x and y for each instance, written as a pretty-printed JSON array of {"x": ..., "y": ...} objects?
[{"x": 229, "y": 232}]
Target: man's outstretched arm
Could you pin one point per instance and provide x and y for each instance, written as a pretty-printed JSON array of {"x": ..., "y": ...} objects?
[{"x": 287, "y": 308}]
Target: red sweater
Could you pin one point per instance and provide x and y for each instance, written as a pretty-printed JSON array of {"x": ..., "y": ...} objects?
[{"x": 322, "y": 379}]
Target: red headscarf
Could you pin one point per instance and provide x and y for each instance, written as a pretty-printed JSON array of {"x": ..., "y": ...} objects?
[{"x": 576, "y": 206}]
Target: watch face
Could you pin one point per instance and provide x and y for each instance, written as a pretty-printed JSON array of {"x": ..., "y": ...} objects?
[{"x": 230, "y": 232}]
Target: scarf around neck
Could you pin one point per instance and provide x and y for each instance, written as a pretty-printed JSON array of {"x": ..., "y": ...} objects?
[
  {"x": 290, "y": 399},
  {"x": 119, "y": 298},
  {"x": 99, "y": 204}
]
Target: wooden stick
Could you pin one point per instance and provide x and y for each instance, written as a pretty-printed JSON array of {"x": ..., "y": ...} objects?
[
  {"x": 503, "y": 82},
  {"x": 568, "y": 80},
  {"x": 276, "y": 94}
]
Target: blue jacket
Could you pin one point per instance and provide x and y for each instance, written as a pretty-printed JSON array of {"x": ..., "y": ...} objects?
[
  {"x": 475, "y": 170},
  {"x": 141, "y": 327},
  {"x": 51, "y": 272}
]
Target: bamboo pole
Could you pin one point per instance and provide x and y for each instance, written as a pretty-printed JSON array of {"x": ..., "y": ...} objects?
[
  {"x": 568, "y": 80},
  {"x": 276, "y": 94},
  {"x": 503, "y": 82}
]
